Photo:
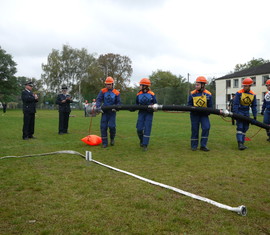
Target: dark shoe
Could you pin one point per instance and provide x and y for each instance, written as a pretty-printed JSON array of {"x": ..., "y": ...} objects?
[
  {"x": 204, "y": 149},
  {"x": 61, "y": 133},
  {"x": 241, "y": 146},
  {"x": 144, "y": 148},
  {"x": 25, "y": 138},
  {"x": 112, "y": 142},
  {"x": 194, "y": 149},
  {"x": 32, "y": 137},
  {"x": 141, "y": 145},
  {"x": 268, "y": 139},
  {"x": 104, "y": 146}
]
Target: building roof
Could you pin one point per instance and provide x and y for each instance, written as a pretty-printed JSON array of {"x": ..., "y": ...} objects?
[{"x": 261, "y": 69}]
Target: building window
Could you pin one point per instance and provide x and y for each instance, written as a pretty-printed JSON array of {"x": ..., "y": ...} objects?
[
  {"x": 235, "y": 83},
  {"x": 228, "y": 83},
  {"x": 264, "y": 79},
  {"x": 254, "y": 81}
]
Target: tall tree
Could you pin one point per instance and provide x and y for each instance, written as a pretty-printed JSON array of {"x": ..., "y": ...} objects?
[
  {"x": 8, "y": 81},
  {"x": 250, "y": 64},
  {"x": 169, "y": 88},
  {"x": 69, "y": 66},
  {"x": 117, "y": 66}
]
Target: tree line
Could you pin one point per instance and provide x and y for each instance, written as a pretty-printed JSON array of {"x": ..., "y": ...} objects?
[{"x": 84, "y": 73}]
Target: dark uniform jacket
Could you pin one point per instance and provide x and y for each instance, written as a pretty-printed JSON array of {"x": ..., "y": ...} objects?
[
  {"x": 63, "y": 107},
  {"x": 29, "y": 101}
]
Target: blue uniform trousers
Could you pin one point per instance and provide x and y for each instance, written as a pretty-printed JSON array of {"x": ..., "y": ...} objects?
[
  {"x": 144, "y": 126},
  {"x": 107, "y": 120},
  {"x": 242, "y": 128},
  {"x": 266, "y": 119},
  {"x": 196, "y": 121}
]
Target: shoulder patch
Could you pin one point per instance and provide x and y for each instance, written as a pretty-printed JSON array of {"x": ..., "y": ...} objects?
[
  {"x": 151, "y": 92},
  {"x": 207, "y": 92},
  {"x": 115, "y": 91},
  {"x": 104, "y": 90},
  {"x": 140, "y": 92},
  {"x": 241, "y": 91},
  {"x": 252, "y": 92},
  {"x": 193, "y": 92}
]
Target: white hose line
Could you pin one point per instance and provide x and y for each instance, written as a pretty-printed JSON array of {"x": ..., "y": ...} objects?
[
  {"x": 242, "y": 210},
  {"x": 44, "y": 154}
]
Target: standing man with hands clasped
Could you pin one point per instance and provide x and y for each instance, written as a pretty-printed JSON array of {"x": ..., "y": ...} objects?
[
  {"x": 63, "y": 100},
  {"x": 29, "y": 109}
]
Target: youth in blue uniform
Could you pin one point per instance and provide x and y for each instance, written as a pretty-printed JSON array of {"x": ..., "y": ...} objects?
[
  {"x": 200, "y": 97},
  {"x": 145, "y": 117},
  {"x": 244, "y": 99},
  {"x": 108, "y": 96},
  {"x": 266, "y": 108}
]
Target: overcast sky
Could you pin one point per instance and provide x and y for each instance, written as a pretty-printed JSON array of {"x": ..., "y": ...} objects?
[{"x": 199, "y": 37}]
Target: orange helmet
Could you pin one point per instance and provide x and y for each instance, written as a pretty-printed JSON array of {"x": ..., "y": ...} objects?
[
  {"x": 247, "y": 81},
  {"x": 201, "y": 79},
  {"x": 145, "y": 81},
  {"x": 109, "y": 80},
  {"x": 267, "y": 82}
]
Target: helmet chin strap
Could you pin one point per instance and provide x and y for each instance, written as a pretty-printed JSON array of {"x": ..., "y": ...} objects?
[
  {"x": 202, "y": 87},
  {"x": 145, "y": 89}
]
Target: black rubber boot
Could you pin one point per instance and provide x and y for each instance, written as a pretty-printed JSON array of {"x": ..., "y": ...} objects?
[
  {"x": 140, "y": 135},
  {"x": 241, "y": 146}
]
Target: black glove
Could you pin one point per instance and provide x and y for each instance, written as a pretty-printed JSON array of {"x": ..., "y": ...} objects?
[{"x": 262, "y": 113}]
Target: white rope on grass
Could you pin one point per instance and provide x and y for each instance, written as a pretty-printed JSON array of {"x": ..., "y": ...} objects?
[
  {"x": 241, "y": 210},
  {"x": 44, "y": 154}
]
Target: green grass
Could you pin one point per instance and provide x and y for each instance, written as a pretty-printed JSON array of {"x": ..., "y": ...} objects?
[{"x": 64, "y": 194}]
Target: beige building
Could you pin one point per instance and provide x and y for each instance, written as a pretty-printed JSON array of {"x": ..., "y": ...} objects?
[{"x": 232, "y": 83}]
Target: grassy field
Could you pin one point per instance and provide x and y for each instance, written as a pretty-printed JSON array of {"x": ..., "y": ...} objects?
[{"x": 64, "y": 194}]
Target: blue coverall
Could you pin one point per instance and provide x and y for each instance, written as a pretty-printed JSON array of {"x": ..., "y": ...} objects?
[
  {"x": 200, "y": 99},
  {"x": 266, "y": 111},
  {"x": 242, "y": 102},
  {"x": 108, "y": 97},
  {"x": 145, "y": 118}
]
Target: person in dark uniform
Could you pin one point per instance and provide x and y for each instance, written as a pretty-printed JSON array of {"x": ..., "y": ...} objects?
[
  {"x": 4, "y": 107},
  {"x": 63, "y": 100},
  {"x": 29, "y": 109},
  {"x": 231, "y": 106}
]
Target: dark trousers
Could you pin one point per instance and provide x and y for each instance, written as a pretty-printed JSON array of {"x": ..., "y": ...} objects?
[
  {"x": 196, "y": 121},
  {"x": 28, "y": 124},
  {"x": 108, "y": 120},
  {"x": 144, "y": 126},
  {"x": 63, "y": 122}
]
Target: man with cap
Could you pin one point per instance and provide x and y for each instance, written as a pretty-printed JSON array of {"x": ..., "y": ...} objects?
[
  {"x": 29, "y": 109},
  {"x": 63, "y": 100}
]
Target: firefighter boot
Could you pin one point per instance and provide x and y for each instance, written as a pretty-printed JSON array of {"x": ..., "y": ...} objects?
[{"x": 241, "y": 146}]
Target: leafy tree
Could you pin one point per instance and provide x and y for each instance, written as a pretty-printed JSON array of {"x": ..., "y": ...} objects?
[
  {"x": 8, "y": 81},
  {"x": 169, "y": 88},
  {"x": 117, "y": 66},
  {"x": 69, "y": 66},
  {"x": 250, "y": 64}
]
